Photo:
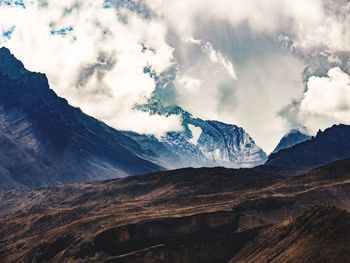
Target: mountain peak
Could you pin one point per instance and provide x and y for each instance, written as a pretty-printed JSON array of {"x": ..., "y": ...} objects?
[
  {"x": 201, "y": 143},
  {"x": 6, "y": 55},
  {"x": 46, "y": 141},
  {"x": 10, "y": 65},
  {"x": 4, "y": 50},
  {"x": 293, "y": 137}
]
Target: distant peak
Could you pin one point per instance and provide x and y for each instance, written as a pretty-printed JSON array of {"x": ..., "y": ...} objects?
[
  {"x": 296, "y": 131},
  {"x": 293, "y": 137}
]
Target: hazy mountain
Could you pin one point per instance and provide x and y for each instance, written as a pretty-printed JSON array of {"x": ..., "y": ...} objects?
[
  {"x": 292, "y": 138},
  {"x": 45, "y": 141}
]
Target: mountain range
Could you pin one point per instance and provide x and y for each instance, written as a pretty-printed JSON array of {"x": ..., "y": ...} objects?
[
  {"x": 46, "y": 141},
  {"x": 201, "y": 143},
  {"x": 145, "y": 214}
]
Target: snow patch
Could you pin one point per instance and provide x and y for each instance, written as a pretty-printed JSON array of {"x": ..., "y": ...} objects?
[{"x": 196, "y": 133}]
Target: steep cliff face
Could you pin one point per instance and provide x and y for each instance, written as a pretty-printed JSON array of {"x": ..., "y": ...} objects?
[
  {"x": 201, "y": 143},
  {"x": 318, "y": 234},
  {"x": 46, "y": 141}
]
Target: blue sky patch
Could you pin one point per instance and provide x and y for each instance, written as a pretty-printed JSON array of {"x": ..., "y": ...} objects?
[
  {"x": 63, "y": 32},
  {"x": 107, "y": 4},
  {"x": 13, "y": 3},
  {"x": 7, "y": 34}
]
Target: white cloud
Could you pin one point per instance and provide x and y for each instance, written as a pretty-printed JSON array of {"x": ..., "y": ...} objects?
[
  {"x": 98, "y": 64},
  {"x": 202, "y": 73},
  {"x": 327, "y": 100},
  {"x": 270, "y": 16},
  {"x": 216, "y": 57},
  {"x": 331, "y": 32},
  {"x": 311, "y": 23},
  {"x": 266, "y": 84}
]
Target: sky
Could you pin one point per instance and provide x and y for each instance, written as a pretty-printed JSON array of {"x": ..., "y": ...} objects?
[{"x": 265, "y": 65}]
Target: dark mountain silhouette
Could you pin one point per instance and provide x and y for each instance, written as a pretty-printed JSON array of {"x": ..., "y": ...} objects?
[
  {"x": 326, "y": 147},
  {"x": 46, "y": 141}
]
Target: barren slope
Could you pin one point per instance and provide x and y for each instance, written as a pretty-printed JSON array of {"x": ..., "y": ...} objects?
[{"x": 187, "y": 215}]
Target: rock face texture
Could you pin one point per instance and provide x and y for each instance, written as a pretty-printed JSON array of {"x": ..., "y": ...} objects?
[
  {"x": 187, "y": 215},
  {"x": 290, "y": 139},
  {"x": 45, "y": 141},
  {"x": 201, "y": 143},
  {"x": 326, "y": 147},
  {"x": 320, "y": 234}
]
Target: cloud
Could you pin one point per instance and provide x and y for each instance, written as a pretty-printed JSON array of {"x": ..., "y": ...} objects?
[
  {"x": 184, "y": 15},
  {"x": 215, "y": 56},
  {"x": 266, "y": 78},
  {"x": 266, "y": 84},
  {"x": 93, "y": 56},
  {"x": 332, "y": 32},
  {"x": 242, "y": 62},
  {"x": 326, "y": 101},
  {"x": 310, "y": 24}
]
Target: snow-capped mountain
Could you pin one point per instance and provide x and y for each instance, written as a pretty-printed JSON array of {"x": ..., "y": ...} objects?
[
  {"x": 45, "y": 141},
  {"x": 292, "y": 138},
  {"x": 201, "y": 143}
]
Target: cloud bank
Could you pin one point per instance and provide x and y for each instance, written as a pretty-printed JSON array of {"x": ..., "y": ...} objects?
[
  {"x": 94, "y": 56},
  {"x": 263, "y": 66},
  {"x": 327, "y": 100}
]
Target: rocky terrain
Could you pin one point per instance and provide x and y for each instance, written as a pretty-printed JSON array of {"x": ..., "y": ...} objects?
[
  {"x": 187, "y": 215},
  {"x": 321, "y": 234}
]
